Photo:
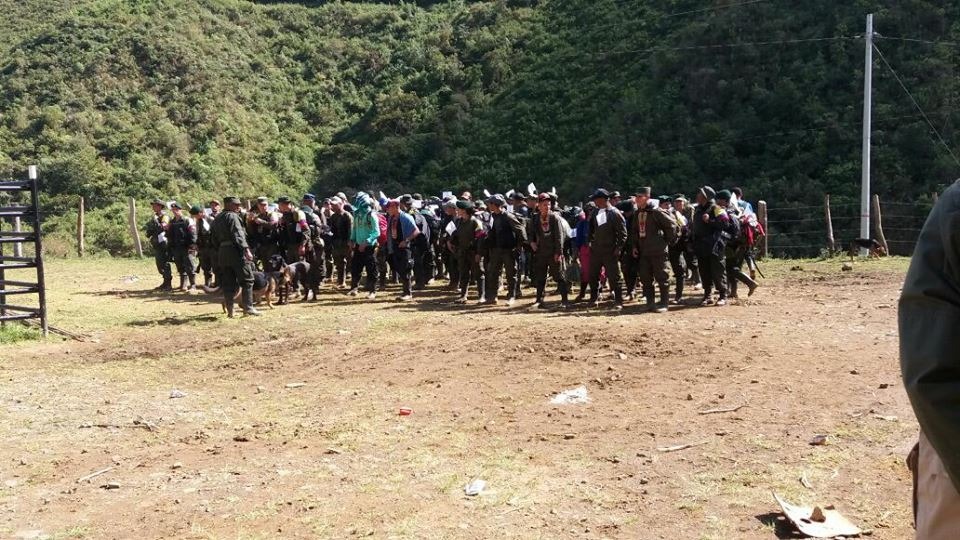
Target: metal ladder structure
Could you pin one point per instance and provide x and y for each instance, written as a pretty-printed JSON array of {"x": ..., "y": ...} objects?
[{"x": 31, "y": 214}]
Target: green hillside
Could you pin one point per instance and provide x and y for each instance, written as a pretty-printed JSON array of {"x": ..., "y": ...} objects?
[{"x": 188, "y": 99}]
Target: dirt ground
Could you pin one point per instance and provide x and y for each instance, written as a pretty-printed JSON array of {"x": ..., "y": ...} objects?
[{"x": 243, "y": 455}]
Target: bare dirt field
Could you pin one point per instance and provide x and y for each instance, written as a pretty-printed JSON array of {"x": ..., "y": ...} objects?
[{"x": 243, "y": 455}]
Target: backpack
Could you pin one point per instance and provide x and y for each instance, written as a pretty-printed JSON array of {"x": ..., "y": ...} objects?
[{"x": 384, "y": 225}]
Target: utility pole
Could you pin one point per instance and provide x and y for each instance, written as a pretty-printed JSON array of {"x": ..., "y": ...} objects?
[{"x": 867, "y": 112}]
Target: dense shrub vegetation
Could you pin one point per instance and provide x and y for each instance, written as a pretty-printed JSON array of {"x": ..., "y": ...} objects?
[{"x": 180, "y": 99}]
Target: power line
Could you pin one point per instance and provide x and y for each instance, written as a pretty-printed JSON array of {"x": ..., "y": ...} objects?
[
  {"x": 716, "y": 8},
  {"x": 917, "y": 105},
  {"x": 915, "y": 40},
  {"x": 795, "y": 131},
  {"x": 724, "y": 45},
  {"x": 664, "y": 16}
]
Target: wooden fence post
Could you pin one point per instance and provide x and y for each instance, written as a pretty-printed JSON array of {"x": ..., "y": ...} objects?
[
  {"x": 134, "y": 231},
  {"x": 81, "y": 225},
  {"x": 17, "y": 246},
  {"x": 762, "y": 216},
  {"x": 878, "y": 224},
  {"x": 831, "y": 243}
]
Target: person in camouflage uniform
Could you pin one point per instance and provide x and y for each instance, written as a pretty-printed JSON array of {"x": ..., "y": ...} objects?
[
  {"x": 262, "y": 231},
  {"x": 206, "y": 251},
  {"x": 504, "y": 240},
  {"x": 608, "y": 236},
  {"x": 550, "y": 236},
  {"x": 182, "y": 238},
  {"x": 650, "y": 236},
  {"x": 464, "y": 244},
  {"x": 234, "y": 258},
  {"x": 157, "y": 235}
]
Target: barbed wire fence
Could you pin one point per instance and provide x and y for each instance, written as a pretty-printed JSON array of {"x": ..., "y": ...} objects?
[{"x": 803, "y": 231}]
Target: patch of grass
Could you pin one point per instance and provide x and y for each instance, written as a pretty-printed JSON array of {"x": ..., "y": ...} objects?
[{"x": 16, "y": 333}]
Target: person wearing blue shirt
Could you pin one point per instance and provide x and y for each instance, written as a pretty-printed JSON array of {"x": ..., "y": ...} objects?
[{"x": 401, "y": 231}]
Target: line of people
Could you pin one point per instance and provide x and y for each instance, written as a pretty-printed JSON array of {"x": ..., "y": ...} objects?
[{"x": 625, "y": 247}]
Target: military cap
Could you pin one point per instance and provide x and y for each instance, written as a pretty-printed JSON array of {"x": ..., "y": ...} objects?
[
  {"x": 309, "y": 197},
  {"x": 642, "y": 192},
  {"x": 464, "y": 205},
  {"x": 679, "y": 197},
  {"x": 214, "y": 202},
  {"x": 157, "y": 202},
  {"x": 195, "y": 209},
  {"x": 723, "y": 195},
  {"x": 497, "y": 200},
  {"x": 665, "y": 198},
  {"x": 417, "y": 197},
  {"x": 175, "y": 204},
  {"x": 282, "y": 200},
  {"x": 708, "y": 192},
  {"x": 406, "y": 199},
  {"x": 263, "y": 200},
  {"x": 601, "y": 194},
  {"x": 614, "y": 194},
  {"x": 231, "y": 200},
  {"x": 531, "y": 197}
]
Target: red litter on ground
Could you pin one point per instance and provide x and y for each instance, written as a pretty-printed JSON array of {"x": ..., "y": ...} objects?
[{"x": 406, "y": 411}]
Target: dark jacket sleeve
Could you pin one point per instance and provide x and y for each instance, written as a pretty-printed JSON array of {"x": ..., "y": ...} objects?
[
  {"x": 619, "y": 229},
  {"x": 929, "y": 316},
  {"x": 557, "y": 233},
  {"x": 669, "y": 228},
  {"x": 519, "y": 231}
]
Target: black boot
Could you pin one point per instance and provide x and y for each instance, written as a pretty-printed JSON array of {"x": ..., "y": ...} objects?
[
  {"x": 594, "y": 294},
  {"x": 541, "y": 287},
  {"x": 663, "y": 306},
  {"x": 564, "y": 289},
  {"x": 167, "y": 285},
  {"x": 247, "y": 302},
  {"x": 228, "y": 297},
  {"x": 193, "y": 284},
  {"x": 582, "y": 293},
  {"x": 680, "y": 285},
  {"x": 617, "y": 298},
  {"x": 207, "y": 278},
  {"x": 183, "y": 285},
  {"x": 650, "y": 297}
]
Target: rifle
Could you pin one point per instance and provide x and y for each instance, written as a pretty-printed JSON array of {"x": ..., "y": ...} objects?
[{"x": 752, "y": 263}]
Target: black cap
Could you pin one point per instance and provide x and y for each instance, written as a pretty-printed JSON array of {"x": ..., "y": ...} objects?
[
  {"x": 231, "y": 200},
  {"x": 497, "y": 200},
  {"x": 464, "y": 205},
  {"x": 406, "y": 200},
  {"x": 601, "y": 194},
  {"x": 283, "y": 200}
]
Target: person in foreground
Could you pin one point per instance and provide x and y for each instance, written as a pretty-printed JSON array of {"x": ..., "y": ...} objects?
[{"x": 929, "y": 318}]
